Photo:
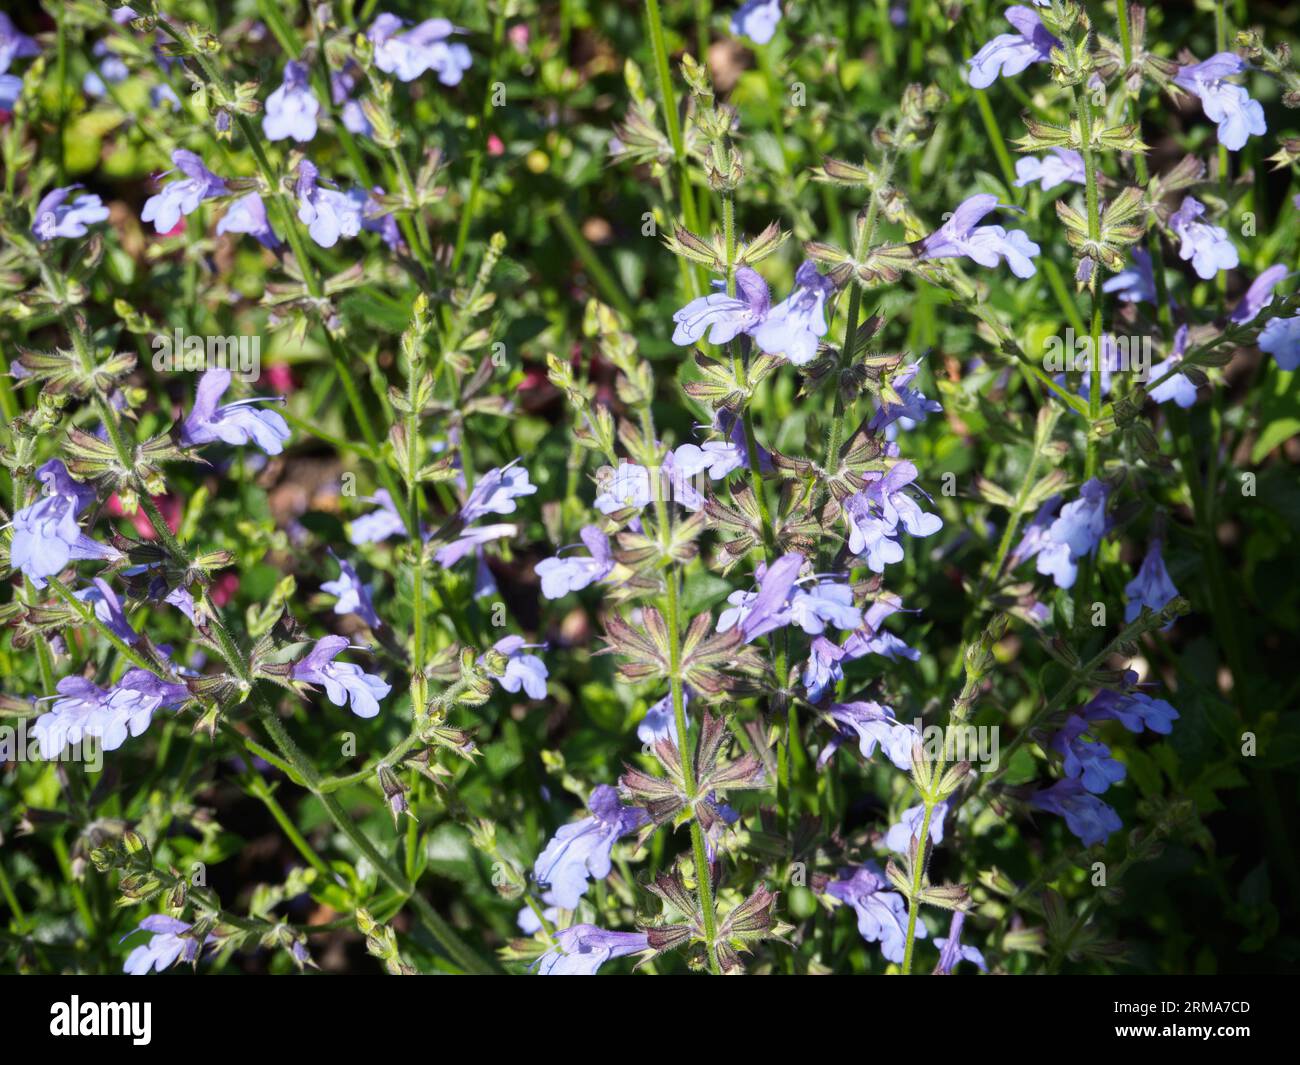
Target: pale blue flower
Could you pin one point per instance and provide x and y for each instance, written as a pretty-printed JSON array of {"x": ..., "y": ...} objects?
[
  {"x": 795, "y": 326},
  {"x": 56, "y": 218},
  {"x": 182, "y": 197},
  {"x": 233, "y": 423},
  {"x": 46, "y": 536},
  {"x": 1230, "y": 106},
  {"x": 1086, "y": 759},
  {"x": 378, "y": 524},
  {"x": 166, "y": 946},
  {"x": 1010, "y": 53},
  {"x": 757, "y": 20},
  {"x": 1056, "y": 168},
  {"x": 522, "y": 670},
  {"x": 1136, "y": 283},
  {"x": 872, "y": 724},
  {"x": 1259, "y": 295},
  {"x": 581, "y": 850},
  {"x": 84, "y": 709},
  {"x": 421, "y": 48},
  {"x": 823, "y": 670},
  {"x": 822, "y": 604},
  {"x": 1085, "y": 815},
  {"x": 248, "y": 215},
  {"x": 292, "y": 109},
  {"x": 353, "y": 595},
  {"x": 724, "y": 317},
  {"x": 560, "y": 576},
  {"x": 581, "y": 949},
  {"x": 327, "y": 213},
  {"x": 1280, "y": 337},
  {"x": 951, "y": 951},
  {"x": 1208, "y": 247},
  {"x": 1178, "y": 387},
  {"x": 1151, "y": 588},
  {"x": 345, "y": 683},
  {"x": 1134, "y": 710},
  {"x": 882, "y": 915},
  {"x": 986, "y": 245},
  {"x": 908, "y": 827},
  {"x": 13, "y": 44},
  {"x": 496, "y": 492}
]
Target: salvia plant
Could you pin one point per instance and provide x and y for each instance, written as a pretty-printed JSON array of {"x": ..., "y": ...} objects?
[{"x": 559, "y": 488}]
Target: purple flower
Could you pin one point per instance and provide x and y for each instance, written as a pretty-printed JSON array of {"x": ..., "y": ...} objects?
[
  {"x": 1136, "y": 283},
  {"x": 719, "y": 457},
  {"x": 164, "y": 94},
  {"x": 327, "y": 213},
  {"x": 522, "y": 671},
  {"x": 1230, "y": 106},
  {"x": 14, "y": 45},
  {"x": 11, "y": 87},
  {"x": 1177, "y": 387},
  {"x": 344, "y": 682},
  {"x": 292, "y": 109},
  {"x": 1259, "y": 295},
  {"x": 875, "y": 514},
  {"x": 1207, "y": 246},
  {"x": 248, "y": 215},
  {"x": 108, "y": 608},
  {"x": 378, "y": 524},
  {"x": 55, "y": 218},
  {"x": 1151, "y": 588},
  {"x": 353, "y": 596},
  {"x": 182, "y": 197},
  {"x": 1058, "y": 542},
  {"x": 84, "y": 709},
  {"x": 1085, "y": 815},
  {"x": 1083, "y": 522},
  {"x": 824, "y": 603},
  {"x": 234, "y": 423},
  {"x": 951, "y": 952},
  {"x": 882, "y": 915},
  {"x": 733, "y": 428},
  {"x": 581, "y": 850},
  {"x": 46, "y": 536},
  {"x": 470, "y": 539},
  {"x": 1280, "y": 337},
  {"x": 1056, "y": 168},
  {"x": 823, "y": 670},
  {"x": 758, "y": 613},
  {"x": 794, "y": 326},
  {"x": 873, "y": 725},
  {"x": 985, "y": 245},
  {"x": 659, "y": 722},
  {"x": 1086, "y": 759},
  {"x": 1010, "y": 53},
  {"x": 724, "y": 317},
  {"x": 1134, "y": 710},
  {"x": 112, "y": 71},
  {"x": 629, "y": 487},
  {"x": 911, "y": 409},
  {"x": 581, "y": 949},
  {"x": 757, "y": 20},
  {"x": 496, "y": 492},
  {"x": 869, "y": 639},
  {"x": 424, "y": 47},
  {"x": 165, "y": 948},
  {"x": 560, "y": 576},
  {"x": 900, "y": 836}
]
